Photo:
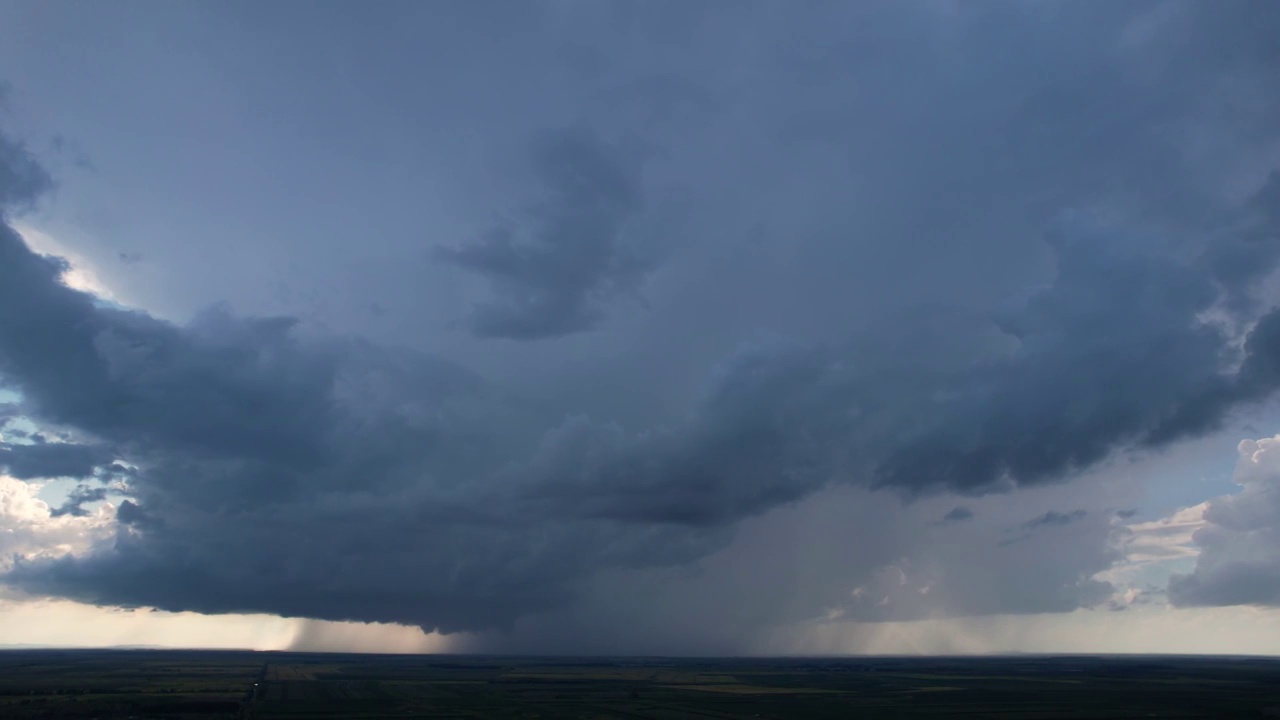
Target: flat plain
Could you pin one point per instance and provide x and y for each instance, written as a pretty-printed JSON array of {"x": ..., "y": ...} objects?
[{"x": 300, "y": 686}]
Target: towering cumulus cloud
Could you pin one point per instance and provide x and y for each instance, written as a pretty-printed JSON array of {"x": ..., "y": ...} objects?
[
  {"x": 261, "y": 465},
  {"x": 1239, "y": 563}
]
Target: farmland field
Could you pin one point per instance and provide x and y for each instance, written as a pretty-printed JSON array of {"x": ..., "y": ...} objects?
[{"x": 297, "y": 686}]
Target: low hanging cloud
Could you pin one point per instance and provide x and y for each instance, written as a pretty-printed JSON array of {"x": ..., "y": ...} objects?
[
  {"x": 1115, "y": 350},
  {"x": 374, "y": 484},
  {"x": 552, "y": 275},
  {"x": 281, "y": 470},
  {"x": 841, "y": 554},
  {"x": 43, "y": 459},
  {"x": 1239, "y": 540},
  {"x": 333, "y": 479}
]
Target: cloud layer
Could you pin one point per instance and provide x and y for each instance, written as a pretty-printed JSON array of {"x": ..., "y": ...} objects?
[
  {"x": 273, "y": 463},
  {"x": 269, "y": 466}
]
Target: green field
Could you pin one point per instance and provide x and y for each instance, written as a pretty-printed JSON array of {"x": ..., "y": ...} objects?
[{"x": 181, "y": 684}]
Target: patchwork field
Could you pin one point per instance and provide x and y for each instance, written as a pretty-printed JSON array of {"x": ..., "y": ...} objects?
[{"x": 172, "y": 684}]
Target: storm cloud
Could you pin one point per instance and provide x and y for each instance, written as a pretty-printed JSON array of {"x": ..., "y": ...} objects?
[
  {"x": 43, "y": 459},
  {"x": 908, "y": 269},
  {"x": 576, "y": 256},
  {"x": 22, "y": 178}
]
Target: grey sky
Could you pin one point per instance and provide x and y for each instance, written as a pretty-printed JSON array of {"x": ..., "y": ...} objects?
[{"x": 463, "y": 315}]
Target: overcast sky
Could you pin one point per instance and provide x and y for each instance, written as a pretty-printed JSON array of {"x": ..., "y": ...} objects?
[{"x": 718, "y": 327}]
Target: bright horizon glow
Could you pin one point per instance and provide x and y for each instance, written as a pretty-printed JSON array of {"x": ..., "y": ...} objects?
[
  {"x": 54, "y": 623},
  {"x": 1202, "y": 631}
]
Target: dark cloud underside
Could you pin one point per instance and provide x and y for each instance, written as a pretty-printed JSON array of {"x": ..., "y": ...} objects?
[{"x": 288, "y": 471}]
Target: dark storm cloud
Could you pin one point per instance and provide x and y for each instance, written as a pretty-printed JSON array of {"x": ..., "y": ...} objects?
[
  {"x": 552, "y": 273},
  {"x": 841, "y": 554},
  {"x": 22, "y": 177},
  {"x": 1241, "y": 259},
  {"x": 957, "y": 514},
  {"x": 130, "y": 514},
  {"x": 51, "y": 460},
  {"x": 281, "y": 471},
  {"x": 306, "y": 477},
  {"x": 228, "y": 385},
  {"x": 1111, "y": 352},
  {"x": 313, "y": 462}
]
